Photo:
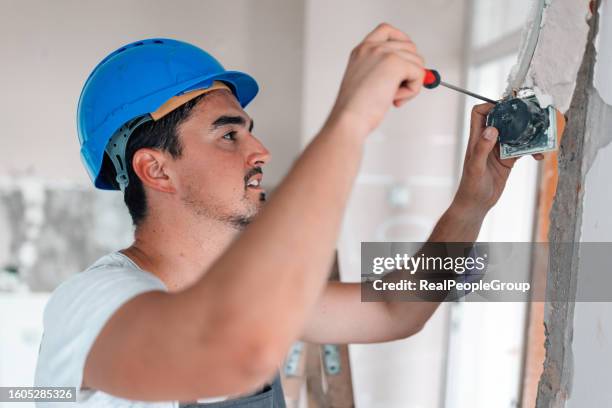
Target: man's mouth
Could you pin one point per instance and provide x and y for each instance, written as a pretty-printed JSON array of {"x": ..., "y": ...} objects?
[
  {"x": 253, "y": 178},
  {"x": 253, "y": 183}
]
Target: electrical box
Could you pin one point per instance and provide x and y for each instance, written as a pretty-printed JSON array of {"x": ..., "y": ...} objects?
[{"x": 524, "y": 126}]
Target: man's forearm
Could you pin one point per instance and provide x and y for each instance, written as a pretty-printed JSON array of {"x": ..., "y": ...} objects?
[
  {"x": 482, "y": 183},
  {"x": 457, "y": 224}
]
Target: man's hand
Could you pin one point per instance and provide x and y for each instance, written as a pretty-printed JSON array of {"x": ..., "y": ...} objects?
[
  {"x": 484, "y": 173},
  {"x": 483, "y": 181},
  {"x": 384, "y": 69}
]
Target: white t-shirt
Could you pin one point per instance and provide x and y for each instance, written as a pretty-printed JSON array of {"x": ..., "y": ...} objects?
[{"x": 73, "y": 317}]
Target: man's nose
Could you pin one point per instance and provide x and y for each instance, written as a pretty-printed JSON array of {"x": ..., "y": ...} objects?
[{"x": 259, "y": 155}]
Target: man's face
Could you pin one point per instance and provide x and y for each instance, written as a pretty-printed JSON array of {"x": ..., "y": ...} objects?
[{"x": 219, "y": 172}]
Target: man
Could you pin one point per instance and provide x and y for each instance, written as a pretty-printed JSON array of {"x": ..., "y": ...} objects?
[{"x": 200, "y": 308}]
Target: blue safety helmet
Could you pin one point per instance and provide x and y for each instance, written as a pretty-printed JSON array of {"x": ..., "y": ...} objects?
[{"x": 134, "y": 81}]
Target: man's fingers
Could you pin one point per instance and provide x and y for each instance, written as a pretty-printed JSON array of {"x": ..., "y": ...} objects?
[
  {"x": 411, "y": 58},
  {"x": 479, "y": 115},
  {"x": 483, "y": 146},
  {"x": 388, "y": 39},
  {"x": 399, "y": 46},
  {"x": 413, "y": 82},
  {"x": 386, "y": 32},
  {"x": 508, "y": 163},
  {"x": 407, "y": 55},
  {"x": 538, "y": 156},
  {"x": 403, "y": 94},
  {"x": 477, "y": 125},
  {"x": 482, "y": 109}
]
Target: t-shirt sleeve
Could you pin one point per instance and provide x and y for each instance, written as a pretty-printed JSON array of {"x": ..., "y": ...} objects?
[{"x": 76, "y": 313}]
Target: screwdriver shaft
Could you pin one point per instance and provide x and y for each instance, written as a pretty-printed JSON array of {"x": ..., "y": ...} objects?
[{"x": 456, "y": 88}]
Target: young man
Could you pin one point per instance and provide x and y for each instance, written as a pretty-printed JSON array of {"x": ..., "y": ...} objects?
[{"x": 200, "y": 307}]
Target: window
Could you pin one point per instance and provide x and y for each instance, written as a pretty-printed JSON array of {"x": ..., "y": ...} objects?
[{"x": 485, "y": 351}]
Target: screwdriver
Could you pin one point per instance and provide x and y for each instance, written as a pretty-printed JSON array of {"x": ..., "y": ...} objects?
[{"x": 432, "y": 80}]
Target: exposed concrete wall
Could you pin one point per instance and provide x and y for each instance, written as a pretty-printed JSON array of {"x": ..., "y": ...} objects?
[
  {"x": 555, "y": 382},
  {"x": 578, "y": 335},
  {"x": 576, "y": 369},
  {"x": 592, "y": 325}
]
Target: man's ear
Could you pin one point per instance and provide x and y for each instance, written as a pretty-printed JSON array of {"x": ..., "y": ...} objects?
[{"x": 150, "y": 166}]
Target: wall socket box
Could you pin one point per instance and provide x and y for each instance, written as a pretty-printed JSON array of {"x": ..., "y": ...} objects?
[{"x": 524, "y": 126}]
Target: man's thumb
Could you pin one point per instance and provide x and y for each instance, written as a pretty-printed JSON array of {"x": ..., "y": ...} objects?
[{"x": 485, "y": 145}]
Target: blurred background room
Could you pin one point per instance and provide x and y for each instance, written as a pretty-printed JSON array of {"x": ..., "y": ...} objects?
[{"x": 54, "y": 224}]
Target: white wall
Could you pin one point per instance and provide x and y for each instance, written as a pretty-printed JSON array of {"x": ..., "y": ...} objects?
[
  {"x": 592, "y": 332},
  {"x": 19, "y": 349}
]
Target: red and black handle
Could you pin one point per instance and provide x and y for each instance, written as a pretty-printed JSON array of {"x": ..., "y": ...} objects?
[{"x": 432, "y": 79}]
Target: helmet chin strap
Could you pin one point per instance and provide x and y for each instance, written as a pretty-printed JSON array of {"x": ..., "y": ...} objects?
[{"x": 116, "y": 149}]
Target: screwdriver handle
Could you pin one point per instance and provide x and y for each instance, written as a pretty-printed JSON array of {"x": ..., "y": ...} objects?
[{"x": 432, "y": 79}]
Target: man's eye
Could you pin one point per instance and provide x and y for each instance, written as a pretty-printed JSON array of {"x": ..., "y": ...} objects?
[{"x": 230, "y": 136}]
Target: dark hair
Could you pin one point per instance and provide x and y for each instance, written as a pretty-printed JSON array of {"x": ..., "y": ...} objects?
[{"x": 162, "y": 135}]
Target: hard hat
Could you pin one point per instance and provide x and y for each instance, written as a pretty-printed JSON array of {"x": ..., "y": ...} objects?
[{"x": 131, "y": 84}]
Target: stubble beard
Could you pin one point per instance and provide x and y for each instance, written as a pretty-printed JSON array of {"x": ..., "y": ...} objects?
[
  {"x": 240, "y": 222},
  {"x": 235, "y": 221}
]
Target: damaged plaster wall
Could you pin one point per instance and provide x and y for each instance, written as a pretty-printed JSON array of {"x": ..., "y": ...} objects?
[
  {"x": 578, "y": 335},
  {"x": 562, "y": 40},
  {"x": 53, "y": 230},
  {"x": 552, "y": 47},
  {"x": 555, "y": 383},
  {"x": 570, "y": 68},
  {"x": 592, "y": 324}
]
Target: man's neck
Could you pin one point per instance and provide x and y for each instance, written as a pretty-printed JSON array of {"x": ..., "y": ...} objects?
[{"x": 180, "y": 254}]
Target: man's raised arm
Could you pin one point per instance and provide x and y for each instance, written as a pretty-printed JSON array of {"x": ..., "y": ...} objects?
[{"x": 227, "y": 333}]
